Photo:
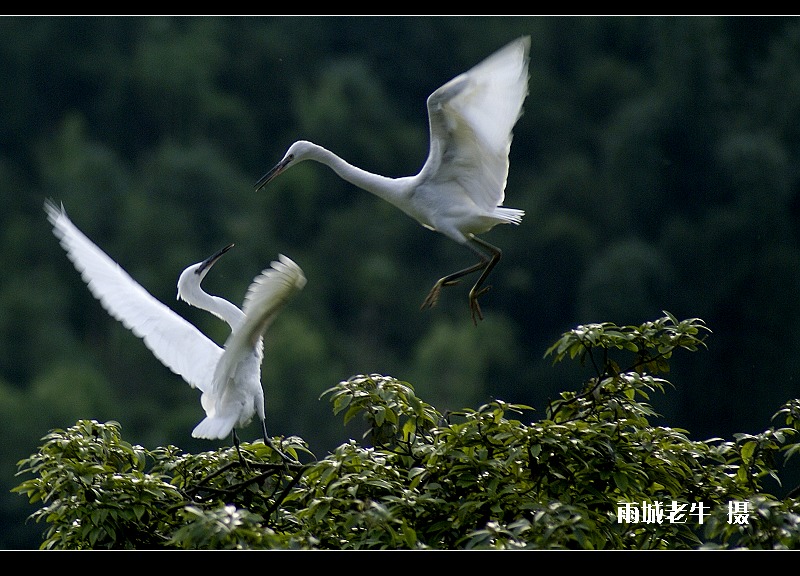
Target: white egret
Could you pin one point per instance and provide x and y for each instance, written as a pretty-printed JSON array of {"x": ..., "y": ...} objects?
[
  {"x": 230, "y": 377},
  {"x": 460, "y": 189}
]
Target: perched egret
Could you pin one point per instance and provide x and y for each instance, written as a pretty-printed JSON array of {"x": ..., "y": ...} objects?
[
  {"x": 230, "y": 377},
  {"x": 460, "y": 189}
]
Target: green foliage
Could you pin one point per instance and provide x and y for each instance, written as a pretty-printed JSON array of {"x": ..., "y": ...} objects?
[
  {"x": 469, "y": 479},
  {"x": 655, "y": 160}
]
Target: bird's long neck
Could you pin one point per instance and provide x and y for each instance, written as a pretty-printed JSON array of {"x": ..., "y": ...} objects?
[
  {"x": 389, "y": 189},
  {"x": 217, "y": 306}
]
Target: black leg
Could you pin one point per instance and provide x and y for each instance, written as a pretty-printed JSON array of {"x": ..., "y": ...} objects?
[
  {"x": 269, "y": 443},
  {"x": 487, "y": 263},
  {"x": 476, "y": 290},
  {"x": 238, "y": 450}
]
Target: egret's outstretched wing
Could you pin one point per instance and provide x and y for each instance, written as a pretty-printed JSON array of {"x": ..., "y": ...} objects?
[
  {"x": 266, "y": 296},
  {"x": 174, "y": 341},
  {"x": 471, "y": 120},
  {"x": 240, "y": 364}
]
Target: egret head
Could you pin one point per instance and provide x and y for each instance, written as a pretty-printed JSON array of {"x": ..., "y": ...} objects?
[
  {"x": 297, "y": 152},
  {"x": 190, "y": 279}
]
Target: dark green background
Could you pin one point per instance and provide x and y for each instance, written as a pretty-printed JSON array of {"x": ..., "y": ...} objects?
[{"x": 657, "y": 162}]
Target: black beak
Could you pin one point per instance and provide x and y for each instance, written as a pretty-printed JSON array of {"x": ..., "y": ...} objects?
[
  {"x": 266, "y": 178},
  {"x": 211, "y": 260}
]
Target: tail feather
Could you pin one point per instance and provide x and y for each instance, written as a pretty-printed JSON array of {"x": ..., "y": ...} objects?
[
  {"x": 214, "y": 428},
  {"x": 509, "y": 215}
]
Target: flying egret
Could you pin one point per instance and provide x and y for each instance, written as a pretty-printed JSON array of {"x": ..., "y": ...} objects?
[
  {"x": 460, "y": 189},
  {"x": 230, "y": 377}
]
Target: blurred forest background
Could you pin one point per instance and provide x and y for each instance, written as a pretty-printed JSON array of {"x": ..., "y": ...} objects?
[{"x": 657, "y": 160}]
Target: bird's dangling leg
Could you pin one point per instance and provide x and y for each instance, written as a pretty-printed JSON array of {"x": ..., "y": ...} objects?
[
  {"x": 486, "y": 264},
  {"x": 476, "y": 291},
  {"x": 450, "y": 280},
  {"x": 238, "y": 450},
  {"x": 269, "y": 443}
]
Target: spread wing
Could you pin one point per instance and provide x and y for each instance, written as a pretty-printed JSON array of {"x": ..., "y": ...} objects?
[
  {"x": 471, "y": 120},
  {"x": 174, "y": 341},
  {"x": 266, "y": 296}
]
